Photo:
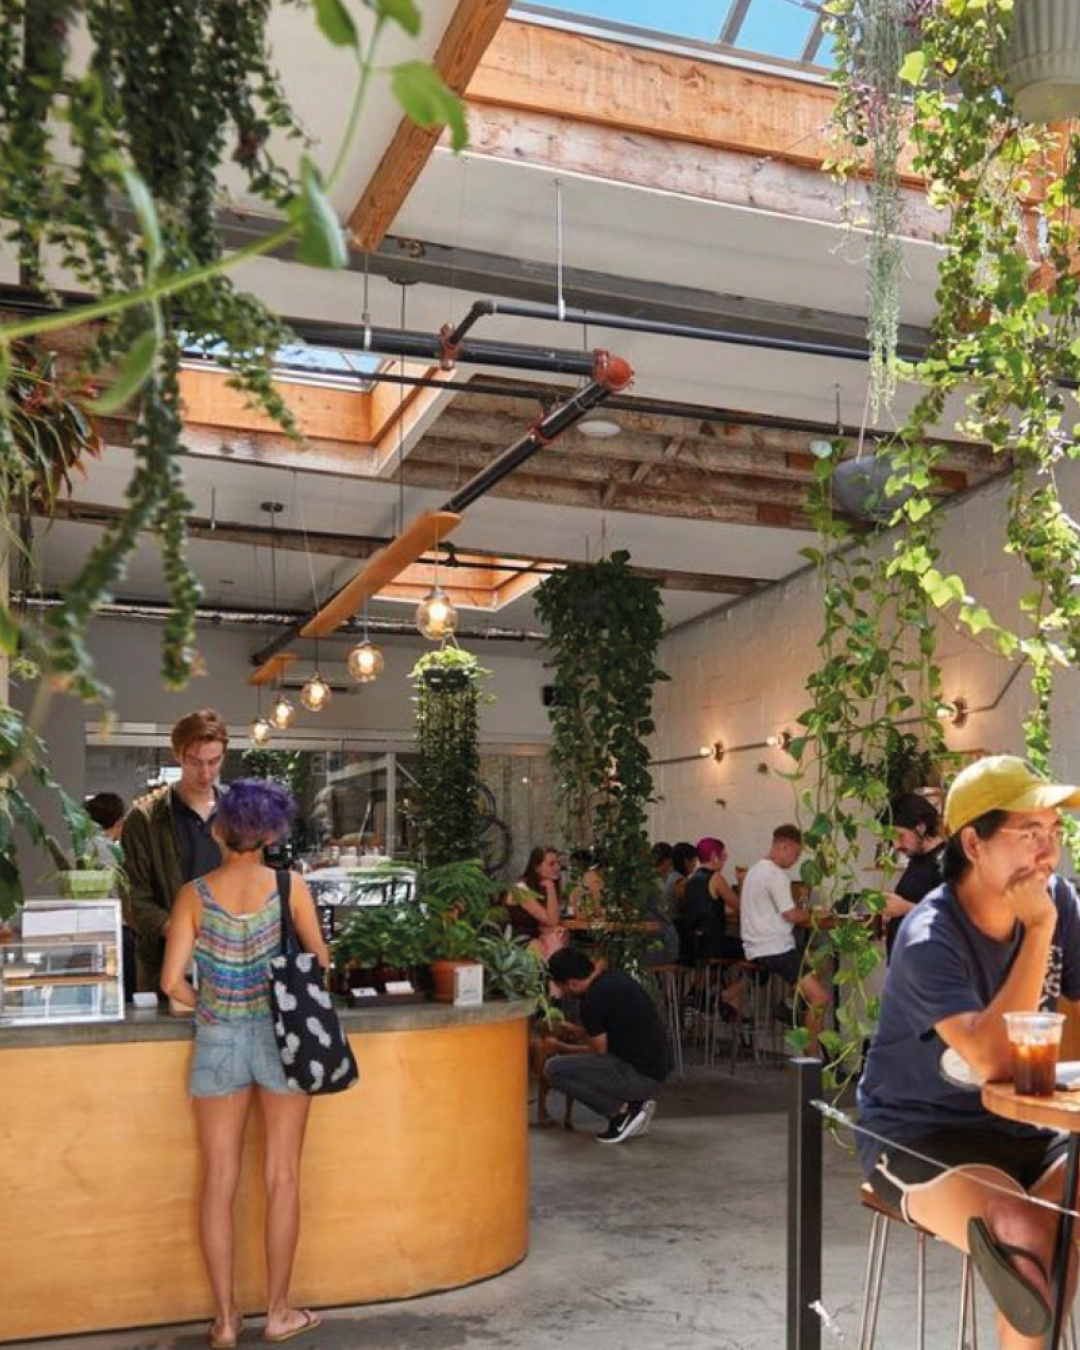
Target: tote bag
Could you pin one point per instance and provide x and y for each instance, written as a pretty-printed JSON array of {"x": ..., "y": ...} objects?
[{"x": 314, "y": 1051}]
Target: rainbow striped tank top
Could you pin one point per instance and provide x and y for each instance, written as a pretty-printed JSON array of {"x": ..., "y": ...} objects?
[{"x": 232, "y": 956}]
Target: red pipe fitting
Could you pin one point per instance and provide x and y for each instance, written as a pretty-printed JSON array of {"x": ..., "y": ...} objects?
[
  {"x": 448, "y": 351},
  {"x": 612, "y": 372}
]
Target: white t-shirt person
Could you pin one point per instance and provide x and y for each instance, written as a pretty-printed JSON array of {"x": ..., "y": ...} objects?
[{"x": 763, "y": 901}]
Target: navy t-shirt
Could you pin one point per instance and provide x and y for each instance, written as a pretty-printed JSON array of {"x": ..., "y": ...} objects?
[{"x": 942, "y": 966}]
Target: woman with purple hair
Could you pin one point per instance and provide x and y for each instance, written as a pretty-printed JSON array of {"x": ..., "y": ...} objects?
[{"x": 230, "y": 920}]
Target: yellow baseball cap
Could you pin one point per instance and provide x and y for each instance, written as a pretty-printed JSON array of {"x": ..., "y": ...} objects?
[{"x": 1002, "y": 783}]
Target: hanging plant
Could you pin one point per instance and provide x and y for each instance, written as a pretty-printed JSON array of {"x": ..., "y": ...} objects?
[
  {"x": 604, "y": 625},
  {"x": 447, "y": 685}
]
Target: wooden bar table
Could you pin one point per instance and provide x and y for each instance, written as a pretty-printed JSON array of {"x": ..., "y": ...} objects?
[{"x": 1059, "y": 1112}]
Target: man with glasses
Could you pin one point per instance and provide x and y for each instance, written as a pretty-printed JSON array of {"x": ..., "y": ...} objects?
[
  {"x": 167, "y": 840},
  {"x": 1002, "y": 934}
]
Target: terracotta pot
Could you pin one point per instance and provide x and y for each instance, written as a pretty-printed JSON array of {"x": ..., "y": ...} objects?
[{"x": 442, "y": 979}]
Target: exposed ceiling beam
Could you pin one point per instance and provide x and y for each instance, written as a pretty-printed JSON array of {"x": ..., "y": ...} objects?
[
  {"x": 471, "y": 28},
  {"x": 353, "y": 546}
]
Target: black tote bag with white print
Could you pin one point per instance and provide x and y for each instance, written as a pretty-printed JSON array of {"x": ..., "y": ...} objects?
[{"x": 314, "y": 1050}]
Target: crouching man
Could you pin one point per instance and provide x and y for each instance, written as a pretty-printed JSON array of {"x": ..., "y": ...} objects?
[{"x": 623, "y": 1064}]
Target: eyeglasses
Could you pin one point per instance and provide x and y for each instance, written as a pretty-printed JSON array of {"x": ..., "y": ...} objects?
[{"x": 1036, "y": 836}]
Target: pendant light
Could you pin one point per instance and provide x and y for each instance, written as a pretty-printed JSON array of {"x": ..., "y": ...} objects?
[
  {"x": 436, "y": 616},
  {"x": 282, "y": 713},
  {"x": 259, "y": 729},
  {"x": 316, "y": 693},
  {"x": 365, "y": 661}
]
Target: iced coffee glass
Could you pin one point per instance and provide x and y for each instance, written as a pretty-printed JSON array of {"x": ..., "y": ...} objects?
[{"x": 1034, "y": 1038}]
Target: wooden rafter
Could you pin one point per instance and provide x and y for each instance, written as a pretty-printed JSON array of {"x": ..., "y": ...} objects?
[{"x": 471, "y": 28}]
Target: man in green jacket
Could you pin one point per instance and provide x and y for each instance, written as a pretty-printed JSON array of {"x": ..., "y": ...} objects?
[{"x": 167, "y": 840}]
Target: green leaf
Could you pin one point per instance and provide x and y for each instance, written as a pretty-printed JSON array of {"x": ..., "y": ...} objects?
[
  {"x": 135, "y": 369},
  {"x": 322, "y": 240},
  {"x": 913, "y": 67},
  {"x": 11, "y": 891},
  {"x": 402, "y": 12},
  {"x": 142, "y": 204},
  {"x": 9, "y": 631},
  {"x": 428, "y": 101},
  {"x": 336, "y": 23}
]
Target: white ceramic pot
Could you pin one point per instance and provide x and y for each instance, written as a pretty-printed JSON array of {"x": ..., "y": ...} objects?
[{"x": 1042, "y": 60}]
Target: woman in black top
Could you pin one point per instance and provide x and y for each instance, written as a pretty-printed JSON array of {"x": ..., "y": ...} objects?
[{"x": 918, "y": 829}]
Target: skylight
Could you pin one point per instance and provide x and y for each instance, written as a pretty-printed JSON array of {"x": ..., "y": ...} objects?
[
  {"x": 784, "y": 31},
  {"x": 306, "y": 364}
]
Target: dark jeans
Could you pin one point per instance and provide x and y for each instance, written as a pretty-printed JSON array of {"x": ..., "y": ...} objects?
[{"x": 602, "y": 1082}]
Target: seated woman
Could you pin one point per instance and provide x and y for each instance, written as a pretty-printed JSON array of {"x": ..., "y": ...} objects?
[
  {"x": 1001, "y": 934},
  {"x": 535, "y": 903},
  {"x": 587, "y": 897}
]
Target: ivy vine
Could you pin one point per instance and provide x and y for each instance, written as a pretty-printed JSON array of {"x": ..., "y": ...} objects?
[
  {"x": 604, "y": 626},
  {"x": 448, "y": 692}
]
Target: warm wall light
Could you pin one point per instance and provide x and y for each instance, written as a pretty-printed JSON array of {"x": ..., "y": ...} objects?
[
  {"x": 955, "y": 712},
  {"x": 365, "y": 662},
  {"x": 259, "y": 731},
  {"x": 705, "y": 751},
  {"x": 282, "y": 714},
  {"x": 316, "y": 694},
  {"x": 718, "y": 750},
  {"x": 781, "y": 741},
  {"x": 436, "y": 616}
]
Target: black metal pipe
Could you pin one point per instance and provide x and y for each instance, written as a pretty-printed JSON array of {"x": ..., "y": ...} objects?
[
  {"x": 802, "y": 346},
  {"x": 477, "y": 311},
  {"x": 429, "y": 347},
  {"x": 804, "y": 1206}
]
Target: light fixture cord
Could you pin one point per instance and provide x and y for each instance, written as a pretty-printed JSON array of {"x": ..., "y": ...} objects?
[{"x": 401, "y": 430}]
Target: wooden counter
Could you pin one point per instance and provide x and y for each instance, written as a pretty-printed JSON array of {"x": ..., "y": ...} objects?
[{"x": 415, "y": 1181}]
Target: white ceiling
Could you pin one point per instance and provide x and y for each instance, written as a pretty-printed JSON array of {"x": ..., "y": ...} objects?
[{"x": 477, "y": 203}]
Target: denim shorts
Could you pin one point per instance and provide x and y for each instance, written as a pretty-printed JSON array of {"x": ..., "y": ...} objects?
[{"x": 231, "y": 1056}]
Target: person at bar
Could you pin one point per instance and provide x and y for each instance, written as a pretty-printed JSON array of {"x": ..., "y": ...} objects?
[
  {"x": 1001, "y": 934},
  {"x": 168, "y": 837},
  {"x": 918, "y": 829}
]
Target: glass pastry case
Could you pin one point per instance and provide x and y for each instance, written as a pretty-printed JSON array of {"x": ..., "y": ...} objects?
[{"x": 63, "y": 964}]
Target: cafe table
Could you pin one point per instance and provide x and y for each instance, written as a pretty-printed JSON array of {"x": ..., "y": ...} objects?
[{"x": 1059, "y": 1112}]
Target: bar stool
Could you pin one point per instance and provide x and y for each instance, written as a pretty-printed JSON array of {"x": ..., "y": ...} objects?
[
  {"x": 884, "y": 1215},
  {"x": 671, "y": 980}
]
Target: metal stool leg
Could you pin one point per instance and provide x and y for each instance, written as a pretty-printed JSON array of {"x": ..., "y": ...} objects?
[
  {"x": 968, "y": 1338},
  {"x": 920, "y": 1290},
  {"x": 875, "y": 1267}
]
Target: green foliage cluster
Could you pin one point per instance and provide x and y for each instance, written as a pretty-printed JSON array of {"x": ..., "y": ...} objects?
[
  {"x": 447, "y": 696},
  {"x": 604, "y": 626},
  {"x": 117, "y": 122}
]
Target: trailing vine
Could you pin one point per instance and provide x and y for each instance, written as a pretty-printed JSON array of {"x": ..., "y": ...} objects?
[
  {"x": 447, "y": 697},
  {"x": 114, "y": 146},
  {"x": 604, "y": 625}
]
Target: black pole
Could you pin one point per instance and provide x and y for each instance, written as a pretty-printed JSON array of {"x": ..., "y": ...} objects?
[
  {"x": 1059, "y": 1280},
  {"x": 804, "y": 1206}
]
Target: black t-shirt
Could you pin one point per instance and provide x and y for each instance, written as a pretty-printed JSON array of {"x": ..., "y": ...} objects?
[
  {"x": 617, "y": 1005},
  {"x": 197, "y": 847},
  {"x": 921, "y": 876}
]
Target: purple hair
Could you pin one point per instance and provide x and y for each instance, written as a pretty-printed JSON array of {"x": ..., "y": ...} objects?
[{"x": 254, "y": 812}]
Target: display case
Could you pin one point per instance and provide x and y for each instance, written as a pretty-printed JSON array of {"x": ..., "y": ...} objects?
[
  {"x": 65, "y": 964},
  {"x": 338, "y": 890}
]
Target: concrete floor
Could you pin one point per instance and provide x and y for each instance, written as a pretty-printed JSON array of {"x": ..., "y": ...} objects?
[{"x": 675, "y": 1242}]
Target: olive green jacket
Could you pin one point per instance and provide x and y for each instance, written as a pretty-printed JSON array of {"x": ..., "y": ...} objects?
[{"x": 153, "y": 878}]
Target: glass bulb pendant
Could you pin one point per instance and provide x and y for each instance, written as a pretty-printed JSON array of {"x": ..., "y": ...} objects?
[
  {"x": 282, "y": 714},
  {"x": 316, "y": 694},
  {"x": 260, "y": 731},
  {"x": 365, "y": 662},
  {"x": 436, "y": 616}
]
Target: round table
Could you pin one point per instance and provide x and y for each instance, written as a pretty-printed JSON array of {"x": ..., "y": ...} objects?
[{"x": 1059, "y": 1112}]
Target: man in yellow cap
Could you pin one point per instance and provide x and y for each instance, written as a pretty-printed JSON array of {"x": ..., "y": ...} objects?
[{"x": 1001, "y": 934}]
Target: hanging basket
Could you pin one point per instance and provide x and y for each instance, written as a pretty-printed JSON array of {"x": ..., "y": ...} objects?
[
  {"x": 1042, "y": 60},
  {"x": 859, "y": 488}
]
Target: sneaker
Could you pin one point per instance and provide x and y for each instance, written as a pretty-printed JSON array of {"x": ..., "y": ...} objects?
[
  {"x": 627, "y": 1123},
  {"x": 648, "y": 1110}
]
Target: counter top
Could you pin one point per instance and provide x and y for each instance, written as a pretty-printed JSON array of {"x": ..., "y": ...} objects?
[{"x": 152, "y": 1025}]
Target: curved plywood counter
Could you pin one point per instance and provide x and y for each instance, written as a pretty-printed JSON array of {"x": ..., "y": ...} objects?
[{"x": 413, "y": 1182}]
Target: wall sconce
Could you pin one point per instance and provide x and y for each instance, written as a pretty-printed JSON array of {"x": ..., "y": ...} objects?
[
  {"x": 718, "y": 751},
  {"x": 705, "y": 751},
  {"x": 282, "y": 714},
  {"x": 781, "y": 741},
  {"x": 956, "y": 712}
]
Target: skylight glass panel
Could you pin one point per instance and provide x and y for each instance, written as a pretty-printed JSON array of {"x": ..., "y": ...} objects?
[
  {"x": 776, "y": 28},
  {"x": 701, "y": 20}
]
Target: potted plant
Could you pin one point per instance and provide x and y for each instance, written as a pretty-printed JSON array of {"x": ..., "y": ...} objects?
[
  {"x": 88, "y": 872},
  {"x": 460, "y": 911},
  {"x": 1042, "y": 60},
  {"x": 380, "y": 943}
]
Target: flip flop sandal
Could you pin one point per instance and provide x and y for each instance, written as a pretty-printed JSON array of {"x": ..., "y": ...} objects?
[
  {"x": 310, "y": 1322},
  {"x": 224, "y": 1342},
  {"x": 1019, "y": 1301}
]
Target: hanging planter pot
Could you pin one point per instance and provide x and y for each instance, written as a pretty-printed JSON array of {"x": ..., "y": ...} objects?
[
  {"x": 859, "y": 488},
  {"x": 1042, "y": 60}
]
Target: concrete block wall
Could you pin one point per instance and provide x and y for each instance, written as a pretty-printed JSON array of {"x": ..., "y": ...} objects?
[{"x": 739, "y": 675}]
